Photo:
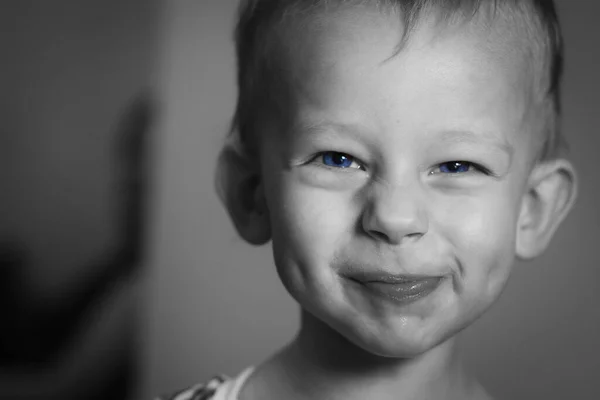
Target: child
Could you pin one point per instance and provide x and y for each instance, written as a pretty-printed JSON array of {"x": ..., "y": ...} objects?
[{"x": 399, "y": 155}]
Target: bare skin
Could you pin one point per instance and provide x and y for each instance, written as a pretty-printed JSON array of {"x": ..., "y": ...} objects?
[{"x": 301, "y": 372}]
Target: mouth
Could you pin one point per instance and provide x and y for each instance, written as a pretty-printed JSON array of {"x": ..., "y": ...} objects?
[{"x": 403, "y": 289}]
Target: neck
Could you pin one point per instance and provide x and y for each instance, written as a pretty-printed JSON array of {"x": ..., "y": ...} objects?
[{"x": 321, "y": 363}]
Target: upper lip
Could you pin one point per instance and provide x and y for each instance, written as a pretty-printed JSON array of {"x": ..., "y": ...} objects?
[{"x": 385, "y": 277}]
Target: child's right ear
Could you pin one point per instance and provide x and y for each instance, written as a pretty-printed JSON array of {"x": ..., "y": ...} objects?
[{"x": 239, "y": 186}]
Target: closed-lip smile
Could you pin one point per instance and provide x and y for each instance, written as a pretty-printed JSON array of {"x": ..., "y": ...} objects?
[{"x": 401, "y": 288}]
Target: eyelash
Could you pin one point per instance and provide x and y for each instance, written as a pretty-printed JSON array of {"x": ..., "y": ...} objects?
[
  {"x": 473, "y": 167},
  {"x": 319, "y": 158},
  {"x": 348, "y": 157}
]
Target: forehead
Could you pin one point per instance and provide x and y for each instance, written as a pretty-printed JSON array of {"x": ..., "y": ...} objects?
[{"x": 345, "y": 64}]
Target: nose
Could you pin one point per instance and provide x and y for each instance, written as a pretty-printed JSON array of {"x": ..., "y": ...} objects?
[{"x": 394, "y": 214}]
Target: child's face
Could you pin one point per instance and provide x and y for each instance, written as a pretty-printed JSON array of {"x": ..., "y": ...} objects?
[{"x": 348, "y": 228}]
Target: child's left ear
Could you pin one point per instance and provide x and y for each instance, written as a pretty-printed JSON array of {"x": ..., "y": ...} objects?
[{"x": 551, "y": 193}]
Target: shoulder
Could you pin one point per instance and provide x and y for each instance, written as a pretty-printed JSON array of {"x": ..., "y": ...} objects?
[{"x": 202, "y": 391}]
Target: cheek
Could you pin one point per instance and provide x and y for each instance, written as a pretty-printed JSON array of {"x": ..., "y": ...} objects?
[
  {"x": 308, "y": 225},
  {"x": 310, "y": 213},
  {"x": 482, "y": 232}
]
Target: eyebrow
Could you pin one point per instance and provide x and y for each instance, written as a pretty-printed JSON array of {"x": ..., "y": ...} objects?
[
  {"x": 449, "y": 137},
  {"x": 342, "y": 129},
  {"x": 469, "y": 137}
]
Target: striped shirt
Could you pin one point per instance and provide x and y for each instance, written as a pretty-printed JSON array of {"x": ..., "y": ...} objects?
[{"x": 220, "y": 387}]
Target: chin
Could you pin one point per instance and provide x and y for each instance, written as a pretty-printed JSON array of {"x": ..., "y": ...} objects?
[{"x": 394, "y": 345}]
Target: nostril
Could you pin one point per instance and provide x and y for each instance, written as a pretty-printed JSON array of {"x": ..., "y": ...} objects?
[{"x": 379, "y": 236}]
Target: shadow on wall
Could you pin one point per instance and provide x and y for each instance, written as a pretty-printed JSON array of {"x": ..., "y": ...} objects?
[{"x": 80, "y": 342}]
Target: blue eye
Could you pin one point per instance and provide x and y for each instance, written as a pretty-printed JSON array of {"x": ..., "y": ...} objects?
[
  {"x": 339, "y": 160},
  {"x": 455, "y": 167}
]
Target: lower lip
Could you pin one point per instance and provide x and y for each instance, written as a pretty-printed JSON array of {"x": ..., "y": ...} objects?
[{"x": 404, "y": 292}]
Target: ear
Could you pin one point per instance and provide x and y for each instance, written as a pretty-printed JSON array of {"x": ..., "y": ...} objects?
[
  {"x": 239, "y": 186},
  {"x": 550, "y": 194}
]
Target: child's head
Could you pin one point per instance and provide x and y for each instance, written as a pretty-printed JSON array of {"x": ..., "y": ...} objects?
[{"x": 399, "y": 154}]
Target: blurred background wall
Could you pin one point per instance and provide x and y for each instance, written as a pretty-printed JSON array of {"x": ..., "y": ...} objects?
[
  {"x": 76, "y": 81},
  {"x": 215, "y": 304}
]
